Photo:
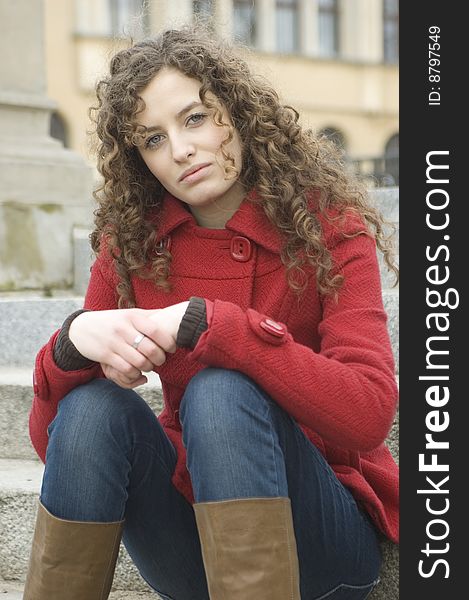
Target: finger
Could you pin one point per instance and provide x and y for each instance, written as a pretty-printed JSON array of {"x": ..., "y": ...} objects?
[
  {"x": 153, "y": 331},
  {"x": 107, "y": 370},
  {"x": 132, "y": 384},
  {"x": 121, "y": 379},
  {"x": 129, "y": 385},
  {"x": 161, "y": 338},
  {"x": 155, "y": 355},
  {"x": 138, "y": 357},
  {"x": 124, "y": 368},
  {"x": 124, "y": 347}
]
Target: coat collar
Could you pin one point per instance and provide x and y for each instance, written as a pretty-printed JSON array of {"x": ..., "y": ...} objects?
[{"x": 249, "y": 221}]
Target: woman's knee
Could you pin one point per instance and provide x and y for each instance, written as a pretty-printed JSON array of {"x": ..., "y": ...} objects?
[
  {"x": 212, "y": 392},
  {"x": 94, "y": 413},
  {"x": 220, "y": 404}
]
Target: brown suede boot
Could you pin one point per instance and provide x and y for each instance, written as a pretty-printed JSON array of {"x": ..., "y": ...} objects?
[
  {"x": 71, "y": 560},
  {"x": 249, "y": 549}
]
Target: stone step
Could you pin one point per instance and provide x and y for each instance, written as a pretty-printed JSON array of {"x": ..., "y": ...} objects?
[
  {"x": 391, "y": 306},
  {"x": 13, "y": 590},
  {"x": 386, "y": 200},
  {"x": 20, "y": 482},
  {"x": 28, "y": 321}
]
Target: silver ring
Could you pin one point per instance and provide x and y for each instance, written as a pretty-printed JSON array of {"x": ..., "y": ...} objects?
[{"x": 138, "y": 338}]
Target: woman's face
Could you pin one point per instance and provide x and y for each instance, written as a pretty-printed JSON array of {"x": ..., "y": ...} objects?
[{"x": 182, "y": 148}]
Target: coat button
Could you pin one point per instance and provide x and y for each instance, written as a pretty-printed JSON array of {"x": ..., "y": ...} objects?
[
  {"x": 164, "y": 243},
  {"x": 240, "y": 248},
  {"x": 273, "y": 327},
  {"x": 35, "y": 385}
]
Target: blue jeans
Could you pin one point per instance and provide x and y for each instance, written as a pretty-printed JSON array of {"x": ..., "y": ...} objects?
[{"x": 109, "y": 459}]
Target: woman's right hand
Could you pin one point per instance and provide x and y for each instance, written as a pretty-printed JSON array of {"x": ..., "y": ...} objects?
[{"x": 107, "y": 337}]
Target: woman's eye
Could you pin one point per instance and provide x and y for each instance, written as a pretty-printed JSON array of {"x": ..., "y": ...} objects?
[
  {"x": 153, "y": 141},
  {"x": 196, "y": 118}
]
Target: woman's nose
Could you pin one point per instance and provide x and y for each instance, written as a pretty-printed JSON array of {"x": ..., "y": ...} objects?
[{"x": 182, "y": 148}]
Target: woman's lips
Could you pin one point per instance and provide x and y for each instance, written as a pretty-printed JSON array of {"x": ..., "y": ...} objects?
[{"x": 195, "y": 175}]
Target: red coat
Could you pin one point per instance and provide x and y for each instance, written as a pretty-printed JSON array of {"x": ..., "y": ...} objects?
[{"x": 329, "y": 364}]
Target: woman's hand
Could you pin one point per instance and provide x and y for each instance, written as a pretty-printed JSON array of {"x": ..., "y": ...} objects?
[
  {"x": 108, "y": 336},
  {"x": 168, "y": 320},
  {"x": 121, "y": 379}
]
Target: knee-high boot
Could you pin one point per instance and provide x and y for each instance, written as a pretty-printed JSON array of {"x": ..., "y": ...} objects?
[
  {"x": 71, "y": 559},
  {"x": 249, "y": 549}
]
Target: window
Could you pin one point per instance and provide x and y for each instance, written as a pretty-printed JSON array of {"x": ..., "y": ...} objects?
[
  {"x": 391, "y": 30},
  {"x": 244, "y": 21},
  {"x": 127, "y": 17},
  {"x": 287, "y": 25},
  {"x": 328, "y": 20},
  {"x": 203, "y": 8},
  {"x": 112, "y": 17}
]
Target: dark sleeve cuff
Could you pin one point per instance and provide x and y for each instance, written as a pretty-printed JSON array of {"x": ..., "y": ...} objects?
[
  {"x": 66, "y": 356},
  {"x": 193, "y": 324}
]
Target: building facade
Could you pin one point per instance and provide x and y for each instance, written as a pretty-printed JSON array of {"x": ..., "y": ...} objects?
[{"x": 335, "y": 61}]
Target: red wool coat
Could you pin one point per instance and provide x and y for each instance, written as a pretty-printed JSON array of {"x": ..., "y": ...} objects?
[{"x": 329, "y": 364}]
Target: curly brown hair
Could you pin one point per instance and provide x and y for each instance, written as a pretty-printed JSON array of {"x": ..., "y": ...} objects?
[{"x": 285, "y": 164}]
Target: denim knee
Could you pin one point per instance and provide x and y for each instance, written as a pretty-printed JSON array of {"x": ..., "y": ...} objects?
[
  {"x": 100, "y": 445},
  {"x": 93, "y": 415},
  {"x": 215, "y": 402},
  {"x": 229, "y": 428}
]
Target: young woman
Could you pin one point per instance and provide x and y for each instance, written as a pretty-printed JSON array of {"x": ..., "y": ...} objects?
[{"x": 236, "y": 257}]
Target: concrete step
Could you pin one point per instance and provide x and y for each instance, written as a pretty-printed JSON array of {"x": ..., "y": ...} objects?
[
  {"x": 20, "y": 482},
  {"x": 13, "y": 590},
  {"x": 386, "y": 200},
  {"x": 28, "y": 321},
  {"x": 391, "y": 306}
]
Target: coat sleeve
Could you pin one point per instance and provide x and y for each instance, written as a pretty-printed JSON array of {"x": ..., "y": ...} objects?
[
  {"x": 51, "y": 383},
  {"x": 347, "y": 391}
]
